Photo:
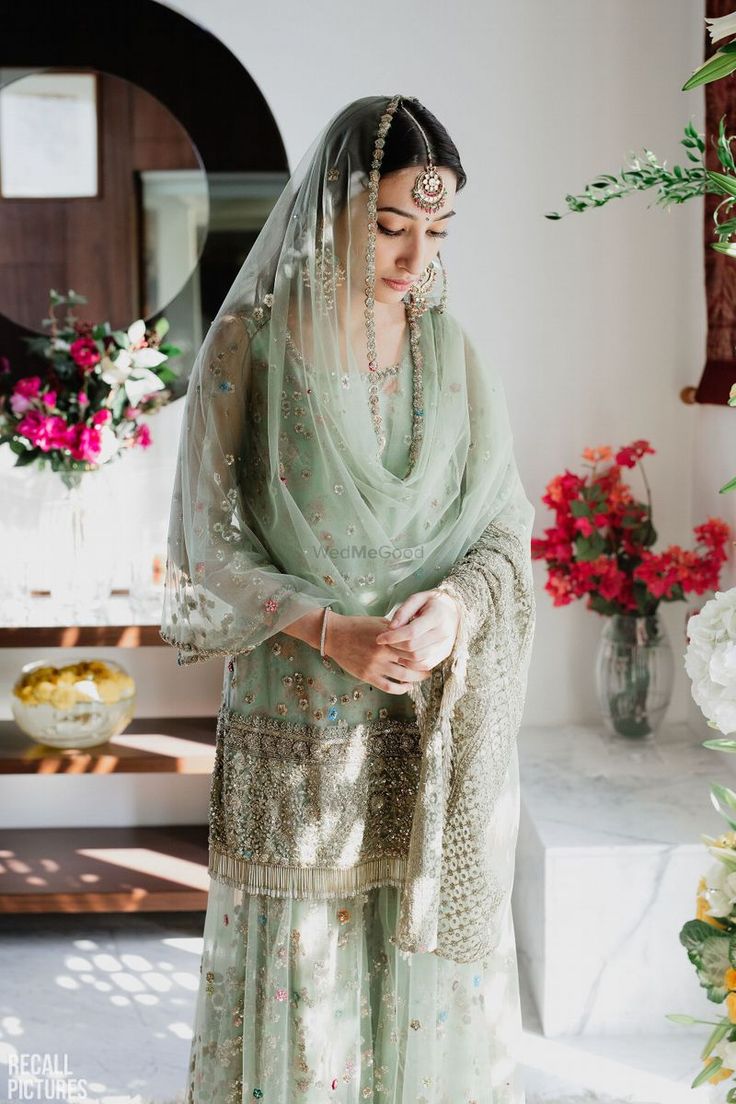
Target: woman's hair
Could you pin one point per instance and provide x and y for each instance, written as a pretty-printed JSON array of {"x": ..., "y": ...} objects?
[
  {"x": 405, "y": 145},
  {"x": 353, "y": 131}
]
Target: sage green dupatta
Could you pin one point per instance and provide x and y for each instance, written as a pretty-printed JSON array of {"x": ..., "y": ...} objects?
[{"x": 275, "y": 466}]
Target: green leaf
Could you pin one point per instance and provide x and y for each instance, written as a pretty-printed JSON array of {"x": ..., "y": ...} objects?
[
  {"x": 714, "y": 801},
  {"x": 723, "y": 146},
  {"x": 121, "y": 338},
  {"x": 162, "y": 327},
  {"x": 716, "y": 1035},
  {"x": 727, "y": 248},
  {"x": 27, "y": 456},
  {"x": 709, "y": 950},
  {"x": 732, "y": 482},
  {"x": 721, "y": 180},
  {"x": 119, "y": 402},
  {"x": 707, "y": 1072},
  {"x": 728, "y": 227},
  {"x": 169, "y": 351},
  {"x": 720, "y": 745},
  {"x": 724, "y": 794},
  {"x": 720, "y": 65}
]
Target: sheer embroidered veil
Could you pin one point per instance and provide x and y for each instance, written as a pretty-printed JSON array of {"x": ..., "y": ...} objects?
[{"x": 262, "y": 529}]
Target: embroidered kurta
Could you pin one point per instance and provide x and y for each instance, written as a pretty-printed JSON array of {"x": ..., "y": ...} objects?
[{"x": 316, "y": 771}]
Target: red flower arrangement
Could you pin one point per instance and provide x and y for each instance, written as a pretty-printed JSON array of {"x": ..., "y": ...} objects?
[{"x": 599, "y": 544}]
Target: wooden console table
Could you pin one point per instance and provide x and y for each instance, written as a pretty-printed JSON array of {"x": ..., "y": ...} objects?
[{"x": 93, "y": 869}]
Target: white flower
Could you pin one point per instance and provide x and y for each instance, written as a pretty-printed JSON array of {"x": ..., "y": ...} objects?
[
  {"x": 115, "y": 371},
  {"x": 710, "y": 660},
  {"x": 130, "y": 369},
  {"x": 136, "y": 332},
  {"x": 722, "y": 26},
  {"x": 109, "y": 444},
  {"x": 721, "y": 889}
]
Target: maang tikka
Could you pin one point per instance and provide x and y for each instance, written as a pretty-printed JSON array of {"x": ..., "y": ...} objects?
[{"x": 428, "y": 193}]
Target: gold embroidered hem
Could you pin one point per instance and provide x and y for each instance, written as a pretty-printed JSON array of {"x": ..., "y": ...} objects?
[
  {"x": 186, "y": 654},
  {"x": 312, "y": 810},
  {"x": 305, "y": 883}
]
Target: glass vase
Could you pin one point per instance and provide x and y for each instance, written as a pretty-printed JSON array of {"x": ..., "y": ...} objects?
[
  {"x": 72, "y": 547},
  {"x": 634, "y": 674}
]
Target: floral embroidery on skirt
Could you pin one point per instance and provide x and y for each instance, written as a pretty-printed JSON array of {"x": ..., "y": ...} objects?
[{"x": 308, "y": 1000}]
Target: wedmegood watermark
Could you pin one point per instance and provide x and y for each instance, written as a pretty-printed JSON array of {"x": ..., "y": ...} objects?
[
  {"x": 43, "y": 1076},
  {"x": 369, "y": 552}
]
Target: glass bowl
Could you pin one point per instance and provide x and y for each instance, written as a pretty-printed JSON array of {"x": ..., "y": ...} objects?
[{"x": 79, "y": 705}]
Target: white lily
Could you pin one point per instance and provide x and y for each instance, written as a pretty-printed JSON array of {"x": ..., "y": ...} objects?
[
  {"x": 131, "y": 367},
  {"x": 146, "y": 357},
  {"x": 136, "y": 332},
  {"x": 109, "y": 442},
  {"x": 721, "y": 887},
  {"x": 141, "y": 382},
  {"x": 721, "y": 26}
]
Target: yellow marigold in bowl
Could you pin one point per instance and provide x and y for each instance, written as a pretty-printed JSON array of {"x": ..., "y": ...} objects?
[{"x": 77, "y": 705}]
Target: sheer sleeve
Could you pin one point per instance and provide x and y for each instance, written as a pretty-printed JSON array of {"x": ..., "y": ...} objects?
[{"x": 223, "y": 592}]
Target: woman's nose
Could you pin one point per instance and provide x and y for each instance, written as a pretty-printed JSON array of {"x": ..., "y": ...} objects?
[{"x": 412, "y": 259}]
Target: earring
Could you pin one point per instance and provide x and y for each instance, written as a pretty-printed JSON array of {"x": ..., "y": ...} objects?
[
  {"x": 418, "y": 293},
  {"x": 330, "y": 274}
]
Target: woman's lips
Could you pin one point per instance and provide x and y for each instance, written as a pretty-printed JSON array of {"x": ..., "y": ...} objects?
[{"x": 397, "y": 285}]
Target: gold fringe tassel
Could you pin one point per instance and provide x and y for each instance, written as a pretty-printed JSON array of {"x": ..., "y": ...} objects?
[{"x": 305, "y": 882}]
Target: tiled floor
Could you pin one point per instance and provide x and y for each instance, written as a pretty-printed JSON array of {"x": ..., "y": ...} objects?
[{"x": 110, "y": 1000}]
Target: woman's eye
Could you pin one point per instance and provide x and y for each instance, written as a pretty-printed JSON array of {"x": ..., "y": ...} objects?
[{"x": 395, "y": 233}]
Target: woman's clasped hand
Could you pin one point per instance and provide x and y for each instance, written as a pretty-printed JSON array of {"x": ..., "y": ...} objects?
[{"x": 392, "y": 653}]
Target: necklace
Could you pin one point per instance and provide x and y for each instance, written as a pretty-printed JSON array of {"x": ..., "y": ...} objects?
[
  {"x": 375, "y": 374},
  {"x": 417, "y": 427}
]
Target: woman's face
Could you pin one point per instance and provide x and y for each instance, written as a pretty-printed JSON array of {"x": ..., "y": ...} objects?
[{"x": 407, "y": 238}]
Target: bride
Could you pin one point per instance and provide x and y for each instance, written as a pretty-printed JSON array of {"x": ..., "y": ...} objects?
[{"x": 349, "y": 532}]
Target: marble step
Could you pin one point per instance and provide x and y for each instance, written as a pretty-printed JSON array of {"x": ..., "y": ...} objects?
[
  {"x": 607, "y": 865},
  {"x": 611, "y": 1069}
]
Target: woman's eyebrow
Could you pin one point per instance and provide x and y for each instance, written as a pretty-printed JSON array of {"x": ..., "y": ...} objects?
[{"x": 408, "y": 214}]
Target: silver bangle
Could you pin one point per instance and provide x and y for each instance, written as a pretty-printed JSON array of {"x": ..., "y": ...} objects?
[{"x": 324, "y": 630}]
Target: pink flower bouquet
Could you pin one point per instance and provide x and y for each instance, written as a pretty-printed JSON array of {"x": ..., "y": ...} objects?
[{"x": 83, "y": 407}]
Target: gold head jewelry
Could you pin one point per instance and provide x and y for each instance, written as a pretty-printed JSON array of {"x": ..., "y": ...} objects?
[
  {"x": 417, "y": 429},
  {"x": 428, "y": 193}
]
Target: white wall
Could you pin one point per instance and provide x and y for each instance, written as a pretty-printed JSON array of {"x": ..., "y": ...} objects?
[{"x": 597, "y": 321}]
